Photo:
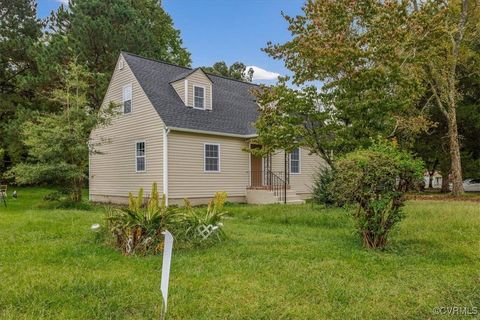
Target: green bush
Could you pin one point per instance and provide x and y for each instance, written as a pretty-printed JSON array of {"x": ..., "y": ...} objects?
[
  {"x": 138, "y": 228},
  {"x": 376, "y": 179},
  {"x": 322, "y": 188}
]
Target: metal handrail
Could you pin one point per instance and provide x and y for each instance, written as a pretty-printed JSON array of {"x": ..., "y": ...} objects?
[{"x": 271, "y": 181}]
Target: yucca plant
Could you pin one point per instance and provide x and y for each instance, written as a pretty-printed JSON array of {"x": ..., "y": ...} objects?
[
  {"x": 203, "y": 226},
  {"x": 138, "y": 228}
]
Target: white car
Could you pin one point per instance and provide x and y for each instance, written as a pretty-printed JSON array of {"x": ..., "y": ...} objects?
[{"x": 471, "y": 185}]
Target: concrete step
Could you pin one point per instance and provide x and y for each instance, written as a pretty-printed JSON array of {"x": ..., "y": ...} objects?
[
  {"x": 259, "y": 196},
  {"x": 296, "y": 201}
]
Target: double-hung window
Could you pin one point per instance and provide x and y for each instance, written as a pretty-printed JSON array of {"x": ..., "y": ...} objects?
[
  {"x": 127, "y": 99},
  {"x": 140, "y": 156},
  {"x": 212, "y": 157},
  {"x": 295, "y": 161},
  {"x": 199, "y": 97}
]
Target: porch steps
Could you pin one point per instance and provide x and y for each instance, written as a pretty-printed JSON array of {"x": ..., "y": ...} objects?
[
  {"x": 259, "y": 196},
  {"x": 293, "y": 198}
]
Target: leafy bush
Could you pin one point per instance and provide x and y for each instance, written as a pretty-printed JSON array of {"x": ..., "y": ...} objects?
[
  {"x": 138, "y": 228},
  {"x": 322, "y": 188},
  {"x": 376, "y": 179}
]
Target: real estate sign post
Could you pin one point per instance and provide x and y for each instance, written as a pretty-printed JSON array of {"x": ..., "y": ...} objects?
[{"x": 167, "y": 258}]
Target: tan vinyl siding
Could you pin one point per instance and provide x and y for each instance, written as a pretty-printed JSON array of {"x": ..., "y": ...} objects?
[
  {"x": 186, "y": 176},
  {"x": 309, "y": 165},
  {"x": 198, "y": 78},
  {"x": 113, "y": 172},
  {"x": 179, "y": 87}
]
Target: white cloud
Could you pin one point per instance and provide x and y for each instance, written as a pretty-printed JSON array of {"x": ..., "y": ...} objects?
[
  {"x": 65, "y": 2},
  {"x": 262, "y": 74}
]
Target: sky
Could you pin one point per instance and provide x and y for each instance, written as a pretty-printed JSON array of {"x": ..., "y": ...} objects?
[{"x": 226, "y": 30}]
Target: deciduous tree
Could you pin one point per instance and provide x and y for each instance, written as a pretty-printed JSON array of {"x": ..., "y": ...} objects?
[{"x": 59, "y": 143}]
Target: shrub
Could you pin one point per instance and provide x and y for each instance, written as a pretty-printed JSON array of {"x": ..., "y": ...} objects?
[
  {"x": 322, "y": 188},
  {"x": 376, "y": 179},
  {"x": 138, "y": 228}
]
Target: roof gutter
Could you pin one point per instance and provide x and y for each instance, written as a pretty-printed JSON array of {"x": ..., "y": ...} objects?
[{"x": 233, "y": 135}]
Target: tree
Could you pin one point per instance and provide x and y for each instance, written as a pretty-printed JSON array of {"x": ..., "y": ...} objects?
[
  {"x": 447, "y": 29},
  {"x": 237, "y": 70},
  {"x": 59, "y": 143},
  {"x": 382, "y": 63},
  {"x": 96, "y": 31},
  {"x": 20, "y": 31},
  {"x": 357, "y": 51}
]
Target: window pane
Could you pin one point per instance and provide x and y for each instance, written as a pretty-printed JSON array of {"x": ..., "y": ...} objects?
[
  {"x": 198, "y": 102},
  {"x": 140, "y": 163},
  {"x": 295, "y": 161},
  {"x": 295, "y": 168},
  {"x": 211, "y": 157},
  {"x": 140, "y": 149},
  {"x": 295, "y": 155},
  {"x": 199, "y": 96},
  {"x": 127, "y": 106},
  {"x": 198, "y": 92}
]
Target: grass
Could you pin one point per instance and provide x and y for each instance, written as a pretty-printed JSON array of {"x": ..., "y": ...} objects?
[{"x": 280, "y": 262}]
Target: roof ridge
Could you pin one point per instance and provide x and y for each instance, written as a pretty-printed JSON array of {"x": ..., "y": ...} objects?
[
  {"x": 189, "y": 68},
  {"x": 228, "y": 78},
  {"x": 155, "y": 60}
]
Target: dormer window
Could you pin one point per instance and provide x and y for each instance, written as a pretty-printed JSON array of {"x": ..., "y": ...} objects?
[{"x": 198, "y": 97}]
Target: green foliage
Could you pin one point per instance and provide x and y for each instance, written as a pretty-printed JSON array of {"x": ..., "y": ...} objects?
[
  {"x": 357, "y": 51},
  {"x": 195, "y": 222},
  {"x": 138, "y": 228},
  {"x": 58, "y": 143},
  {"x": 322, "y": 188},
  {"x": 96, "y": 31},
  {"x": 376, "y": 180},
  {"x": 381, "y": 66},
  {"x": 20, "y": 32},
  {"x": 290, "y": 118},
  {"x": 237, "y": 70}
]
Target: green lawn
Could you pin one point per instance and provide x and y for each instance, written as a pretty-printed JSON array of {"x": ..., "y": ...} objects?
[{"x": 280, "y": 262}]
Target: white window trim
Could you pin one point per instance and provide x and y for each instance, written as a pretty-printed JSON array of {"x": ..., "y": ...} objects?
[
  {"x": 204, "y": 158},
  {"x": 299, "y": 162},
  {"x": 144, "y": 156},
  {"x": 204, "y": 97},
  {"x": 131, "y": 99}
]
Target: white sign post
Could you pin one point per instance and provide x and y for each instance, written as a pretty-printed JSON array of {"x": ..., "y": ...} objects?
[{"x": 167, "y": 258}]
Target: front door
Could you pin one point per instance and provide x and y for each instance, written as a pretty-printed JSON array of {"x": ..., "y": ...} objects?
[
  {"x": 256, "y": 171},
  {"x": 256, "y": 174}
]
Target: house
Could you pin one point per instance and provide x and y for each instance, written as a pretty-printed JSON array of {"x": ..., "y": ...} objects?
[
  {"x": 187, "y": 130},
  {"x": 436, "y": 180}
]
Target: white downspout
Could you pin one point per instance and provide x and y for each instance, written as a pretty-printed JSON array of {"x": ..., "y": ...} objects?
[{"x": 166, "y": 130}]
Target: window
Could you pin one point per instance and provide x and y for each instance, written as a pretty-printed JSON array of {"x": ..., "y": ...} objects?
[
  {"x": 212, "y": 157},
  {"x": 127, "y": 99},
  {"x": 140, "y": 158},
  {"x": 295, "y": 161},
  {"x": 198, "y": 97}
]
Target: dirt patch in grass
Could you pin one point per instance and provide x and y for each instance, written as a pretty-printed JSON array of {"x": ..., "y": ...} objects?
[{"x": 474, "y": 197}]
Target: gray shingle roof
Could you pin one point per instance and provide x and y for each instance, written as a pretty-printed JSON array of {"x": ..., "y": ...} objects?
[{"x": 233, "y": 111}]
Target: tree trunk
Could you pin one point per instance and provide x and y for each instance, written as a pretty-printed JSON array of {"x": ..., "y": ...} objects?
[
  {"x": 456, "y": 165},
  {"x": 430, "y": 180},
  {"x": 445, "y": 183},
  {"x": 76, "y": 193}
]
